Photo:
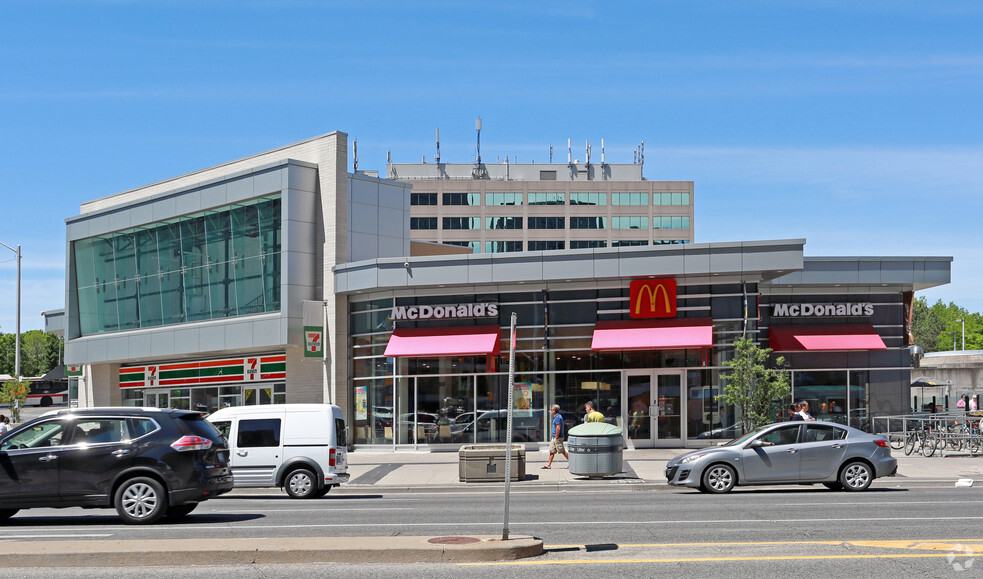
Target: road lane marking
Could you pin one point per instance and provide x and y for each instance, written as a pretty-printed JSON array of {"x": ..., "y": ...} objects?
[{"x": 710, "y": 559}]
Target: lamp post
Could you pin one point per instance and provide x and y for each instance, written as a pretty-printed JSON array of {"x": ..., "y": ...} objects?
[
  {"x": 17, "y": 337},
  {"x": 963, "y": 322}
]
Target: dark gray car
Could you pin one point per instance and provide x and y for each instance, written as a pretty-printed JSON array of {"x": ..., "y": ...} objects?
[{"x": 835, "y": 455}]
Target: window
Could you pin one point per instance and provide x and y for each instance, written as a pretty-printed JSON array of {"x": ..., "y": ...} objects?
[
  {"x": 588, "y": 199},
  {"x": 670, "y": 241},
  {"x": 547, "y": 198},
  {"x": 780, "y": 436},
  {"x": 503, "y": 199},
  {"x": 502, "y": 246},
  {"x": 423, "y": 198},
  {"x": 259, "y": 433},
  {"x": 629, "y": 243},
  {"x": 823, "y": 433},
  {"x": 462, "y": 199},
  {"x": 630, "y": 222},
  {"x": 586, "y": 223},
  {"x": 142, "y": 426},
  {"x": 629, "y": 199},
  {"x": 503, "y": 223},
  {"x": 671, "y": 222},
  {"x": 39, "y": 435},
  {"x": 670, "y": 198},
  {"x": 217, "y": 264},
  {"x": 474, "y": 245},
  {"x": 587, "y": 243},
  {"x": 423, "y": 223},
  {"x": 546, "y": 222},
  {"x": 224, "y": 428},
  {"x": 462, "y": 223},
  {"x": 545, "y": 245},
  {"x": 95, "y": 431}
]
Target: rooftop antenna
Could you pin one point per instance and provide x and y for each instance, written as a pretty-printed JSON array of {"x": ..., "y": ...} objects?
[
  {"x": 437, "y": 158},
  {"x": 588, "y": 151},
  {"x": 479, "y": 172},
  {"x": 477, "y": 127},
  {"x": 569, "y": 152},
  {"x": 641, "y": 154},
  {"x": 355, "y": 155},
  {"x": 389, "y": 157},
  {"x": 602, "y": 150},
  {"x": 551, "y": 153}
]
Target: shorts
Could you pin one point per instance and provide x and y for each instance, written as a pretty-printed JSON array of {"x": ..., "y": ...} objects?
[{"x": 556, "y": 446}]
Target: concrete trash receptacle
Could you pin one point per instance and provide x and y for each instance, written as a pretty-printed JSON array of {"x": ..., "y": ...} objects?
[
  {"x": 486, "y": 463},
  {"x": 596, "y": 449}
]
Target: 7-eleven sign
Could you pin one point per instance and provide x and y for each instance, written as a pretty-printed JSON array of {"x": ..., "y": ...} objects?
[
  {"x": 252, "y": 368},
  {"x": 313, "y": 342},
  {"x": 151, "y": 377}
]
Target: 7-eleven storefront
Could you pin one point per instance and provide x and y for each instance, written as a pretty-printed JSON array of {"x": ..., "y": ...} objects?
[{"x": 206, "y": 385}]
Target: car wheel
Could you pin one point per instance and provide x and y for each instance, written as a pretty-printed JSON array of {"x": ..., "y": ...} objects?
[
  {"x": 833, "y": 486},
  {"x": 856, "y": 476},
  {"x": 301, "y": 484},
  {"x": 719, "y": 478},
  {"x": 7, "y": 513},
  {"x": 180, "y": 510},
  {"x": 141, "y": 501}
]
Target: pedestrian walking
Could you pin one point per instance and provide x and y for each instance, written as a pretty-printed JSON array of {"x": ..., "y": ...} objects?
[{"x": 556, "y": 442}]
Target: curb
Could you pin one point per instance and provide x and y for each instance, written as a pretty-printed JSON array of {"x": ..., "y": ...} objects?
[{"x": 183, "y": 552}]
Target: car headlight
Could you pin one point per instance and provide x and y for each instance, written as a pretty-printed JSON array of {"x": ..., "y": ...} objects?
[{"x": 691, "y": 458}]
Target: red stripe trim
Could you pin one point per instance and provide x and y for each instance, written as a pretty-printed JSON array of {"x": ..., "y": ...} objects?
[
  {"x": 211, "y": 379},
  {"x": 132, "y": 370},
  {"x": 273, "y": 359},
  {"x": 273, "y": 376},
  {"x": 178, "y": 366}
]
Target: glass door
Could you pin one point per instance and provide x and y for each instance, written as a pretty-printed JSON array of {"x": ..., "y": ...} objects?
[
  {"x": 655, "y": 409},
  {"x": 156, "y": 399}
]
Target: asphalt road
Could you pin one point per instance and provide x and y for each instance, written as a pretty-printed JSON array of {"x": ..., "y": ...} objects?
[{"x": 883, "y": 532}]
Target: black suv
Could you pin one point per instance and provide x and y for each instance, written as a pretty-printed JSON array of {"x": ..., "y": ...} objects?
[{"x": 146, "y": 462}]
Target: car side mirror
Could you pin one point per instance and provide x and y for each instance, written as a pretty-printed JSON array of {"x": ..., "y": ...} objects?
[{"x": 756, "y": 444}]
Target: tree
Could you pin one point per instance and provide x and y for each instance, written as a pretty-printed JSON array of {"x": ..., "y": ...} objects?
[
  {"x": 936, "y": 328},
  {"x": 751, "y": 388},
  {"x": 39, "y": 353},
  {"x": 15, "y": 394}
]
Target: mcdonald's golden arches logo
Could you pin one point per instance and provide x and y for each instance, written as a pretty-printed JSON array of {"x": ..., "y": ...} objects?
[{"x": 652, "y": 298}]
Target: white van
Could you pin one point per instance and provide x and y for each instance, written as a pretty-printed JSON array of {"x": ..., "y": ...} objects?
[{"x": 300, "y": 447}]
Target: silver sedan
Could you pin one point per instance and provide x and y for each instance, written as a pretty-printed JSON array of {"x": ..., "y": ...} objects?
[{"x": 835, "y": 455}]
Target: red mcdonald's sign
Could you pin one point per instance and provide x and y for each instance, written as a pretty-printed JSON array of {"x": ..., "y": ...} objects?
[{"x": 652, "y": 298}]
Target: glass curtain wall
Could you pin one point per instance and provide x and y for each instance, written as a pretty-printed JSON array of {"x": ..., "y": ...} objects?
[{"x": 217, "y": 264}]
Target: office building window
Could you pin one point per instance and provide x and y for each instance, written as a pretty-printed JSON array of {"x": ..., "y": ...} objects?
[
  {"x": 503, "y": 198},
  {"x": 670, "y": 199},
  {"x": 587, "y": 243},
  {"x": 588, "y": 199},
  {"x": 586, "y": 223},
  {"x": 462, "y": 199},
  {"x": 423, "y": 198},
  {"x": 462, "y": 223},
  {"x": 630, "y": 222},
  {"x": 503, "y": 223},
  {"x": 670, "y": 241},
  {"x": 502, "y": 246},
  {"x": 671, "y": 222},
  {"x": 545, "y": 245},
  {"x": 629, "y": 243},
  {"x": 629, "y": 199},
  {"x": 423, "y": 223},
  {"x": 546, "y": 223},
  {"x": 218, "y": 264},
  {"x": 547, "y": 198}
]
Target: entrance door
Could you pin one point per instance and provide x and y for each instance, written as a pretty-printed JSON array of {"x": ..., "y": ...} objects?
[
  {"x": 253, "y": 395},
  {"x": 156, "y": 399},
  {"x": 655, "y": 410}
]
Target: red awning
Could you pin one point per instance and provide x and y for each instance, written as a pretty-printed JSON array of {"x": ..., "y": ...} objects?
[
  {"x": 653, "y": 335},
  {"x": 794, "y": 338},
  {"x": 435, "y": 342}
]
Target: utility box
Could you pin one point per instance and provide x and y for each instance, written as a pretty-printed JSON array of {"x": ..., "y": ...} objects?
[
  {"x": 596, "y": 449},
  {"x": 486, "y": 463}
]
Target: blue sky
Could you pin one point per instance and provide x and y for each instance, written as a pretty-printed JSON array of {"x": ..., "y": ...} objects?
[{"x": 855, "y": 125}]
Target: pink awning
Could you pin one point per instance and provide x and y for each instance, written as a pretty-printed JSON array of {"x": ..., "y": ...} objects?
[
  {"x": 795, "y": 338},
  {"x": 436, "y": 342},
  {"x": 654, "y": 335}
]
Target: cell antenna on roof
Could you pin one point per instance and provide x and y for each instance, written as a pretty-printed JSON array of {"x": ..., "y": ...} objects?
[
  {"x": 478, "y": 172},
  {"x": 551, "y": 153},
  {"x": 641, "y": 154},
  {"x": 355, "y": 155},
  {"x": 587, "y": 141},
  {"x": 437, "y": 158},
  {"x": 569, "y": 152},
  {"x": 602, "y": 150}
]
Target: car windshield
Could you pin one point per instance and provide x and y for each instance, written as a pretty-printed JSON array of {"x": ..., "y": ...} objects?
[{"x": 741, "y": 440}]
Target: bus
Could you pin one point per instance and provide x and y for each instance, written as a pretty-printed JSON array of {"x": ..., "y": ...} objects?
[{"x": 46, "y": 392}]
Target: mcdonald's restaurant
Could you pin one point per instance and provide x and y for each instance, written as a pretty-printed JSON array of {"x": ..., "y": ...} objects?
[{"x": 643, "y": 333}]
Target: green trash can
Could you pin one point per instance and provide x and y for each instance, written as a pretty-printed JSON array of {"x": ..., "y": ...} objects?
[{"x": 595, "y": 449}]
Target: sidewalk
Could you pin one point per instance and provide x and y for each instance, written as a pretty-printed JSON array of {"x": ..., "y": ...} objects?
[{"x": 425, "y": 471}]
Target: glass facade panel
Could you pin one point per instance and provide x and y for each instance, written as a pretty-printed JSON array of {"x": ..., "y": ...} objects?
[
  {"x": 630, "y": 222},
  {"x": 587, "y": 243},
  {"x": 462, "y": 199},
  {"x": 423, "y": 223},
  {"x": 547, "y": 198},
  {"x": 423, "y": 198},
  {"x": 216, "y": 265},
  {"x": 629, "y": 199},
  {"x": 462, "y": 223},
  {"x": 588, "y": 199},
  {"x": 671, "y": 222},
  {"x": 503, "y": 223},
  {"x": 545, "y": 245},
  {"x": 502, "y": 246},
  {"x": 503, "y": 199},
  {"x": 546, "y": 223},
  {"x": 586, "y": 223}
]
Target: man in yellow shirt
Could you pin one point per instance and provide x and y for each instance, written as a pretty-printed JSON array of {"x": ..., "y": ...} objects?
[{"x": 592, "y": 415}]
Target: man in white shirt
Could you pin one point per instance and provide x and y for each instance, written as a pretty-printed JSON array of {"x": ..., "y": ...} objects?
[{"x": 804, "y": 412}]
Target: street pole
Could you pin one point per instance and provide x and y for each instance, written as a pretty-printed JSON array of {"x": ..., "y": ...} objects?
[
  {"x": 963, "y": 322},
  {"x": 508, "y": 427},
  {"x": 17, "y": 337}
]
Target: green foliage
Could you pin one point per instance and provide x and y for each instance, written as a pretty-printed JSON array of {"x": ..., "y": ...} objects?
[
  {"x": 936, "y": 328},
  {"x": 39, "y": 353},
  {"x": 752, "y": 388},
  {"x": 14, "y": 393}
]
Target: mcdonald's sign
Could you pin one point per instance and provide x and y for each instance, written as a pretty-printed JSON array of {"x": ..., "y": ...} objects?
[{"x": 652, "y": 298}]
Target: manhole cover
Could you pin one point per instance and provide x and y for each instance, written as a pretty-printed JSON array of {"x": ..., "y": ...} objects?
[{"x": 453, "y": 540}]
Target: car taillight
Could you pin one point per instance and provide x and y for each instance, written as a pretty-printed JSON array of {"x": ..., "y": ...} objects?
[
  {"x": 881, "y": 443},
  {"x": 190, "y": 442},
  {"x": 331, "y": 457}
]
